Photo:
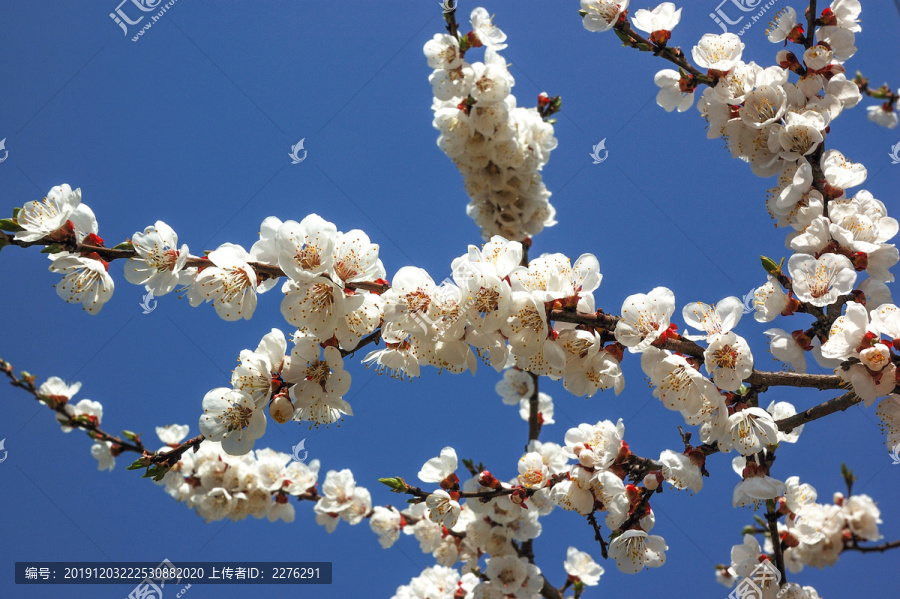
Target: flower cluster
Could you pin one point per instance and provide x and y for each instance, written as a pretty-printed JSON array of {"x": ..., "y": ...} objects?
[
  {"x": 814, "y": 534},
  {"x": 219, "y": 485},
  {"x": 499, "y": 147}
]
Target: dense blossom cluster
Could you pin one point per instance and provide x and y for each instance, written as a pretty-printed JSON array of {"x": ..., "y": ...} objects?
[
  {"x": 499, "y": 147},
  {"x": 496, "y": 308},
  {"x": 219, "y": 485}
]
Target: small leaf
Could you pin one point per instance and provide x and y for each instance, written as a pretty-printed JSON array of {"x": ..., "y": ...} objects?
[
  {"x": 8, "y": 224},
  {"x": 397, "y": 485},
  {"x": 139, "y": 463},
  {"x": 125, "y": 245},
  {"x": 53, "y": 248},
  {"x": 769, "y": 265},
  {"x": 16, "y": 212},
  {"x": 130, "y": 435}
]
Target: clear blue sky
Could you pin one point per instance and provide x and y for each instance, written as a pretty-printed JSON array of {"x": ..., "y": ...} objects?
[{"x": 192, "y": 125}]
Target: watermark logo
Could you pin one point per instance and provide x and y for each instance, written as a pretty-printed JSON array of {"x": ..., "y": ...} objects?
[
  {"x": 764, "y": 577},
  {"x": 722, "y": 16},
  {"x": 6, "y": 152},
  {"x": 449, "y": 5},
  {"x": 895, "y": 153},
  {"x": 296, "y": 158},
  {"x": 146, "y": 304},
  {"x": 122, "y": 15},
  {"x": 3, "y": 459},
  {"x": 894, "y": 453},
  {"x": 749, "y": 301},
  {"x": 149, "y": 589},
  {"x": 600, "y": 147},
  {"x": 296, "y": 449}
]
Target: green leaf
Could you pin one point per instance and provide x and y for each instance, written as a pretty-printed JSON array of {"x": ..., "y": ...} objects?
[
  {"x": 16, "y": 212},
  {"x": 130, "y": 435},
  {"x": 8, "y": 224},
  {"x": 53, "y": 248},
  {"x": 139, "y": 463},
  {"x": 396, "y": 485},
  {"x": 125, "y": 245},
  {"x": 769, "y": 265},
  {"x": 3, "y": 241}
]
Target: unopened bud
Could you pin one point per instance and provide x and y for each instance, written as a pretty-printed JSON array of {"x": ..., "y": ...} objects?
[{"x": 281, "y": 409}]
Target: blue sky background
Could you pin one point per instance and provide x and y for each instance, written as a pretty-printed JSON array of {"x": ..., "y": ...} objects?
[{"x": 193, "y": 124}]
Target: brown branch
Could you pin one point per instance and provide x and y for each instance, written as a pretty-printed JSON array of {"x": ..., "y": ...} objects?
[
  {"x": 838, "y": 404},
  {"x": 810, "y": 24},
  {"x": 873, "y": 548},
  {"x": 674, "y": 55},
  {"x": 772, "y": 519},
  {"x": 58, "y": 405}
]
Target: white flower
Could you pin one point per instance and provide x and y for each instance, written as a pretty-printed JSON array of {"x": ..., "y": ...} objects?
[
  {"x": 800, "y": 135},
  {"x": 527, "y": 328},
  {"x": 545, "y": 408},
  {"x": 441, "y": 509},
  {"x": 662, "y": 18},
  {"x": 489, "y": 34},
  {"x": 713, "y": 320},
  {"x": 230, "y": 416},
  {"x": 635, "y": 550},
  {"x": 40, "y": 218},
  {"x": 779, "y": 411},
  {"x": 306, "y": 247},
  {"x": 770, "y": 301},
  {"x": 601, "y": 15},
  {"x": 817, "y": 58},
  {"x": 491, "y": 80},
  {"x": 230, "y": 284},
  {"x": 515, "y": 386},
  {"x": 679, "y": 470},
  {"x": 582, "y": 566},
  {"x": 159, "y": 261},
  {"x": 672, "y": 92},
  {"x": 85, "y": 281},
  {"x": 840, "y": 172},
  {"x": 86, "y": 408},
  {"x": 56, "y": 387},
  {"x": 172, "y": 434},
  {"x": 337, "y": 492},
  {"x": 883, "y": 114},
  {"x": 442, "y": 52},
  {"x": 320, "y": 382},
  {"x": 889, "y": 413},
  {"x": 821, "y": 281},
  {"x": 764, "y": 106},
  {"x": 385, "y": 522},
  {"x": 752, "y": 429},
  {"x": 595, "y": 446},
  {"x": 574, "y": 493},
  {"x": 533, "y": 473},
  {"x": 678, "y": 384},
  {"x": 356, "y": 258},
  {"x": 255, "y": 372},
  {"x": 728, "y": 360},
  {"x": 437, "y": 469},
  {"x": 754, "y": 489},
  {"x": 645, "y": 318},
  {"x": 847, "y": 333},
  {"x": 782, "y": 25},
  {"x": 863, "y": 517},
  {"x": 868, "y": 385},
  {"x": 265, "y": 249},
  {"x": 101, "y": 452},
  {"x": 799, "y": 496},
  {"x": 718, "y": 52},
  {"x": 785, "y": 349}
]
